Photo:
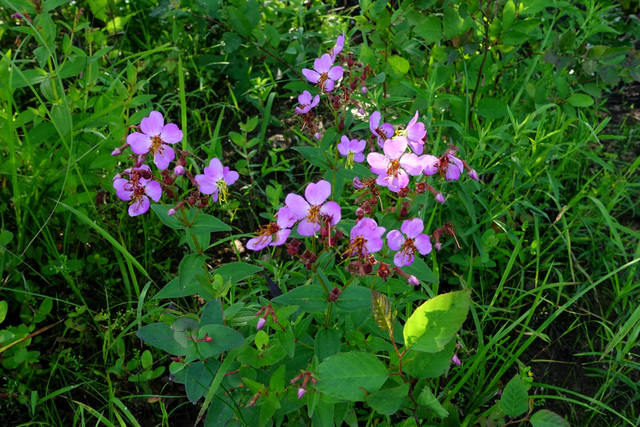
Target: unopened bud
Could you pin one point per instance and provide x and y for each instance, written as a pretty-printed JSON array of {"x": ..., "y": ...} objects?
[
  {"x": 364, "y": 89},
  {"x": 318, "y": 136},
  {"x": 438, "y": 246},
  {"x": 456, "y": 360},
  {"x": 473, "y": 174},
  {"x": 179, "y": 170},
  {"x": 171, "y": 212},
  {"x": 261, "y": 323},
  {"x": 301, "y": 392},
  {"x": 208, "y": 339},
  {"x": 440, "y": 198},
  {"x": 413, "y": 280},
  {"x": 116, "y": 152}
]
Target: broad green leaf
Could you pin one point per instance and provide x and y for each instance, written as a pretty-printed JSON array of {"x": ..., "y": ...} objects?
[
  {"x": 160, "y": 335},
  {"x": 514, "y": 401},
  {"x": 199, "y": 377},
  {"x": 327, "y": 343},
  {"x": 5, "y": 238},
  {"x": 205, "y": 223},
  {"x": 399, "y": 64},
  {"x": 437, "y": 321},
  {"x": 261, "y": 340},
  {"x": 212, "y": 313},
  {"x": 222, "y": 337},
  {"x": 492, "y": 108},
  {"x": 4, "y": 309},
  {"x": 389, "y": 400},
  {"x": 354, "y": 298},
  {"x": 348, "y": 375},
  {"x": 310, "y": 298},
  {"x": 421, "y": 270},
  {"x": 580, "y": 100},
  {"x": 184, "y": 329},
  {"x": 174, "y": 290},
  {"x": 146, "y": 360},
  {"x": 427, "y": 399},
  {"x": 430, "y": 30},
  {"x": 508, "y": 14},
  {"x": 189, "y": 266},
  {"x": 546, "y": 418},
  {"x": 428, "y": 365},
  {"x": 236, "y": 271},
  {"x": 381, "y": 310},
  {"x": 270, "y": 405},
  {"x": 169, "y": 221},
  {"x": 452, "y": 22},
  {"x": 276, "y": 382}
]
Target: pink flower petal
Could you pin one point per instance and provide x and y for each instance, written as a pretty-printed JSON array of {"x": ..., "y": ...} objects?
[
  {"x": 120, "y": 184},
  {"x": 411, "y": 163},
  {"x": 332, "y": 210},
  {"x": 206, "y": 185},
  {"x": 298, "y": 205},
  {"x": 311, "y": 75},
  {"x": 423, "y": 244},
  {"x": 394, "y": 148},
  {"x": 164, "y": 156},
  {"x": 307, "y": 228},
  {"x": 335, "y": 73},
  {"x": 140, "y": 143},
  {"x": 139, "y": 207},
  {"x": 280, "y": 237},
  {"x": 378, "y": 162},
  {"x": 412, "y": 227},
  {"x": 258, "y": 243},
  {"x": 317, "y": 193},
  {"x": 374, "y": 121},
  {"x": 395, "y": 240},
  {"x": 430, "y": 164},
  {"x": 171, "y": 134},
  {"x": 153, "y": 124},
  {"x": 323, "y": 64},
  {"x": 153, "y": 189}
]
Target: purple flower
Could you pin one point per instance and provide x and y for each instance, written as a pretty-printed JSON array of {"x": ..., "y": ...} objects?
[
  {"x": 306, "y": 102},
  {"x": 394, "y": 167},
  {"x": 275, "y": 233},
  {"x": 216, "y": 179},
  {"x": 456, "y": 360},
  {"x": 352, "y": 150},
  {"x": 313, "y": 211},
  {"x": 429, "y": 164},
  {"x": 337, "y": 48},
  {"x": 415, "y": 134},
  {"x": 415, "y": 240},
  {"x": 324, "y": 74},
  {"x": 448, "y": 165},
  {"x": 383, "y": 132},
  {"x": 137, "y": 189},
  {"x": 366, "y": 238},
  {"x": 155, "y": 138}
]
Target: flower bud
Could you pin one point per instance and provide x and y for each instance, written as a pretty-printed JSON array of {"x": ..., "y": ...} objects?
[
  {"x": 179, "y": 170},
  {"x": 473, "y": 174},
  {"x": 456, "y": 360},
  {"x": 364, "y": 90},
  {"x": 438, "y": 246},
  {"x": 261, "y": 323},
  {"x": 116, "y": 152},
  {"x": 318, "y": 136},
  {"x": 440, "y": 198},
  {"x": 171, "y": 212},
  {"x": 413, "y": 280},
  {"x": 301, "y": 392}
]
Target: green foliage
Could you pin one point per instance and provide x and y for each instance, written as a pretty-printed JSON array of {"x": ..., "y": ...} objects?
[{"x": 542, "y": 278}]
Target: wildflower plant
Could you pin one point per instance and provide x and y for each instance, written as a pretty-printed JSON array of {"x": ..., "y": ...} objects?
[{"x": 361, "y": 321}]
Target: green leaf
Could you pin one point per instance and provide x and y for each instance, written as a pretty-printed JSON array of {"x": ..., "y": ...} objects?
[
  {"x": 388, "y": 401},
  {"x": 205, "y": 223},
  {"x": 236, "y": 271},
  {"x": 310, "y": 298},
  {"x": 430, "y": 30},
  {"x": 399, "y": 64},
  {"x": 546, "y": 418},
  {"x": 4, "y": 309},
  {"x": 5, "y": 238},
  {"x": 348, "y": 375},
  {"x": 580, "y": 100},
  {"x": 160, "y": 335},
  {"x": 452, "y": 22},
  {"x": 212, "y": 313},
  {"x": 314, "y": 155},
  {"x": 199, "y": 377},
  {"x": 276, "y": 382},
  {"x": 327, "y": 343},
  {"x": 421, "y": 270},
  {"x": 169, "y": 221},
  {"x": 184, "y": 329},
  {"x": 189, "y": 266},
  {"x": 508, "y": 14},
  {"x": 492, "y": 108},
  {"x": 514, "y": 401},
  {"x": 354, "y": 298},
  {"x": 381, "y": 310},
  {"x": 437, "y": 321},
  {"x": 428, "y": 365},
  {"x": 427, "y": 399},
  {"x": 174, "y": 290},
  {"x": 222, "y": 337},
  {"x": 250, "y": 125},
  {"x": 146, "y": 360}
]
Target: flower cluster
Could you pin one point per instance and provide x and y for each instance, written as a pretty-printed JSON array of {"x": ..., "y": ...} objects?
[
  {"x": 154, "y": 138},
  {"x": 396, "y": 157}
]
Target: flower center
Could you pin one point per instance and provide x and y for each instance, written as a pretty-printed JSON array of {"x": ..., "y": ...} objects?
[
  {"x": 350, "y": 160},
  {"x": 222, "y": 190},
  {"x": 394, "y": 168},
  {"x": 381, "y": 133},
  {"x": 156, "y": 144},
  {"x": 323, "y": 78},
  {"x": 314, "y": 214}
]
